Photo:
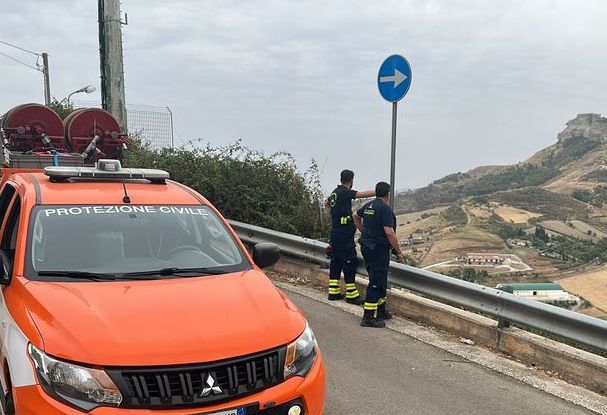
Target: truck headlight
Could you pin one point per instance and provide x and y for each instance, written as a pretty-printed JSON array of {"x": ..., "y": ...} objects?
[
  {"x": 301, "y": 354},
  {"x": 83, "y": 387}
]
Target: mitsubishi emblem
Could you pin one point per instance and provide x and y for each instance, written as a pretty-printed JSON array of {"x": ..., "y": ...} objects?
[{"x": 211, "y": 388}]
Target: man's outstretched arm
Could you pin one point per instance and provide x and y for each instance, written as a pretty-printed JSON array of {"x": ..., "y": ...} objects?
[{"x": 362, "y": 194}]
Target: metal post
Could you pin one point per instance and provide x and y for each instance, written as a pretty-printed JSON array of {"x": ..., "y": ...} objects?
[
  {"x": 102, "y": 57},
  {"x": 68, "y": 98},
  {"x": 172, "y": 133},
  {"x": 393, "y": 156},
  {"x": 47, "y": 81}
]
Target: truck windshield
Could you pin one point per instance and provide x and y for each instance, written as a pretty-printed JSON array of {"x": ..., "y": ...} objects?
[{"x": 120, "y": 240}]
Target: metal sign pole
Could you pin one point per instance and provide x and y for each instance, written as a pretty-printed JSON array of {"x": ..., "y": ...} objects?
[
  {"x": 393, "y": 82},
  {"x": 393, "y": 156}
]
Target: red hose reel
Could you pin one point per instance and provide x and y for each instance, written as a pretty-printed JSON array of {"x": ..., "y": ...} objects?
[{"x": 86, "y": 135}]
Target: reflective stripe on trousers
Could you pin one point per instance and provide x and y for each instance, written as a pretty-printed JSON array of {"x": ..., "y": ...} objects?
[
  {"x": 334, "y": 287},
  {"x": 352, "y": 291}
]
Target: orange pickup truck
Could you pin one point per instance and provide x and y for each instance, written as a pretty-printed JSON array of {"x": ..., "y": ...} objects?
[{"x": 124, "y": 292}]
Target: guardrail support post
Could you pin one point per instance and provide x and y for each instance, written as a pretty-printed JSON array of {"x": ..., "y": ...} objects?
[{"x": 503, "y": 324}]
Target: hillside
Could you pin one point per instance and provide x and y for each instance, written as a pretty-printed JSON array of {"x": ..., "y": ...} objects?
[
  {"x": 576, "y": 162},
  {"x": 544, "y": 218}
]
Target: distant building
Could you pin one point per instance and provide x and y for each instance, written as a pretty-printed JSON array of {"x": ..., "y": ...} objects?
[
  {"x": 481, "y": 259},
  {"x": 517, "y": 242},
  {"x": 414, "y": 239},
  {"x": 545, "y": 292}
]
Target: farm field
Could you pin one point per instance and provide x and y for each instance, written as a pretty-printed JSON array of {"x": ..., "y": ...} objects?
[
  {"x": 477, "y": 212},
  {"x": 591, "y": 285},
  {"x": 413, "y": 217},
  {"x": 470, "y": 238},
  {"x": 515, "y": 215},
  {"x": 578, "y": 230}
]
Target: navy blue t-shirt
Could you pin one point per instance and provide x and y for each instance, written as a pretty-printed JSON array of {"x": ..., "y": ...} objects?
[
  {"x": 341, "y": 208},
  {"x": 375, "y": 215}
]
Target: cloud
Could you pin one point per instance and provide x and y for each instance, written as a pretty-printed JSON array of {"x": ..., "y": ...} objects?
[{"x": 492, "y": 81}]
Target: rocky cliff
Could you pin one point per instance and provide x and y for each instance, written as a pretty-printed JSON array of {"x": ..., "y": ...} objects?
[{"x": 592, "y": 126}]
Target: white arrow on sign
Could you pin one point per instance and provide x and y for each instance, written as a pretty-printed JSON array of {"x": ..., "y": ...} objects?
[{"x": 398, "y": 78}]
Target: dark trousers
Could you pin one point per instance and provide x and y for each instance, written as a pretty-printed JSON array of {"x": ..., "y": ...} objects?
[
  {"x": 343, "y": 259},
  {"x": 377, "y": 262}
]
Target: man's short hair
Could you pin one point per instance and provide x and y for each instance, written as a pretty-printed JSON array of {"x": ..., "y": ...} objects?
[
  {"x": 382, "y": 189},
  {"x": 347, "y": 176}
]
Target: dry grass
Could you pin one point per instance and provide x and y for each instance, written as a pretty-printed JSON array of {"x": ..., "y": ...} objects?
[
  {"x": 578, "y": 230},
  {"x": 584, "y": 228},
  {"x": 594, "y": 312},
  {"x": 540, "y": 264},
  {"x": 573, "y": 177},
  {"x": 421, "y": 226},
  {"x": 591, "y": 285},
  {"x": 479, "y": 213},
  {"x": 514, "y": 215},
  {"x": 466, "y": 239},
  {"x": 478, "y": 235},
  {"x": 413, "y": 217}
]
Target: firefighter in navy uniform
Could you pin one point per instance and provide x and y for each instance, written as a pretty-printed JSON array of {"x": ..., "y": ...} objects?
[
  {"x": 343, "y": 247},
  {"x": 377, "y": 224}
]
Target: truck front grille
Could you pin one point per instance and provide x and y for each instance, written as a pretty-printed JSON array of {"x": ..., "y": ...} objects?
[{"x": 198, "y": 385}]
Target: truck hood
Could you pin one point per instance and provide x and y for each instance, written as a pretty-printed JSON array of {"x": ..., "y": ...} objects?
[{"x": 162, "y": 322}]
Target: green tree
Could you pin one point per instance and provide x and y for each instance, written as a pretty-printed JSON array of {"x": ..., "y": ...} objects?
[
  {"x": 541, "y": 234},
  {"x": 63, "y": 109},
  {"x": 469, "y": 274}
]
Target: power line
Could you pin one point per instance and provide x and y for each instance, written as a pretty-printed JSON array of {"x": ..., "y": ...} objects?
[
  {"x": 19, "y": 47},
  {"x": 18, "y": 61}
]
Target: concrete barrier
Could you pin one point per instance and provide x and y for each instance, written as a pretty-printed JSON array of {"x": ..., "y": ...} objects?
[{"x": 574, "y": 365}]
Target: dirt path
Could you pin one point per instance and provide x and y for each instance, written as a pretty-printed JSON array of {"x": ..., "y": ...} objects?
[{"x": 468, "y": 217}]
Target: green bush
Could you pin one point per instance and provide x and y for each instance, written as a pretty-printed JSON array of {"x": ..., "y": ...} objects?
[
  {"x": 599, "y": 175},
  {"x": 509, "y": 232},
  {"x": 582, "y": 195},
  {"x": 455, "y": 177},
  {"x": 454, "y": 215},
  {"x": 468, "y": 274},
  {"x": 245, "y": 185}
]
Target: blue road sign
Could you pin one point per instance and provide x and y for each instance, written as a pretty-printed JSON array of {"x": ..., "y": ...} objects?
[{"x": 394, "y": 78}]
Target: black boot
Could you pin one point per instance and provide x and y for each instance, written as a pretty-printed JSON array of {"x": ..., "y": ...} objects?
[
  {"x": 356, "y": 300},
  {"x": 383, "y": 313},
  {"x": 335, "y": 297},
  {"x": 369, "y": 320}
]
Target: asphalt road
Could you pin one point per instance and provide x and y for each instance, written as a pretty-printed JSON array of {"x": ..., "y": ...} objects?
[{"x": 380, "y": 371}]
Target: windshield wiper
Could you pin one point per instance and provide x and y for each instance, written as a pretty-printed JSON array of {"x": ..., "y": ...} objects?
[
  {"x": 94, "y": 276},
  {"x": 164, "y": 272}
]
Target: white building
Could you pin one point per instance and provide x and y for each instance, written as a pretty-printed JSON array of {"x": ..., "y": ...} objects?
[{"x": 546, "y": 292}]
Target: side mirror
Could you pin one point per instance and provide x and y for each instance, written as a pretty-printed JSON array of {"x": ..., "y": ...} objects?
[{"x": 265, "y": 254}]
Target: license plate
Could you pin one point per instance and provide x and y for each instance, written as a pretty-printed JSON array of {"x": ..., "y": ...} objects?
[{"x": 237, "y": 411}]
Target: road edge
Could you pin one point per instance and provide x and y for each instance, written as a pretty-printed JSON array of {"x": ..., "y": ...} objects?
[{"x": 531, "y": 376}]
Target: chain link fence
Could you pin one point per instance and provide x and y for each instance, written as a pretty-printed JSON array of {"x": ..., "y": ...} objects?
[{"x": 152, "y": 124}]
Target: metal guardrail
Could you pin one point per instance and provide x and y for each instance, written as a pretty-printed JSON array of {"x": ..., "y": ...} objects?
[{"x": 501, "y": 305}]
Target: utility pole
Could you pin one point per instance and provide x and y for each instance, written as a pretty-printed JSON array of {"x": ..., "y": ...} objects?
[
  {"x": 112, "y": 67},
  {"x": 47, "y": 80}
]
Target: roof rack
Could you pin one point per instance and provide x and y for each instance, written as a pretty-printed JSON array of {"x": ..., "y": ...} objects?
[{"x": 104, "y": 169}]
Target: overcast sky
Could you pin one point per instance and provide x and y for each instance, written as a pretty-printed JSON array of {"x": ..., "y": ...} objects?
[{"x": 493, "y": 81}]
